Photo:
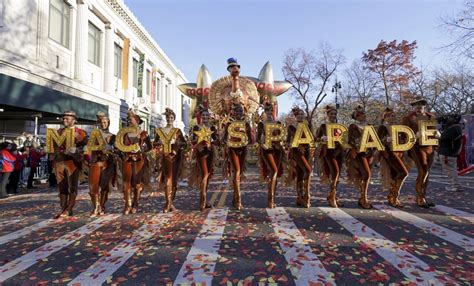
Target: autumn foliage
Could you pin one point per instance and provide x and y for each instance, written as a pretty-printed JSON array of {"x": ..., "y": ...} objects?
[{"x": 393, "y": 63}]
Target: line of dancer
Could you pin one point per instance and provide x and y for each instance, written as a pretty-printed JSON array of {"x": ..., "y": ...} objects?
[{"x": 283, "y": 149}]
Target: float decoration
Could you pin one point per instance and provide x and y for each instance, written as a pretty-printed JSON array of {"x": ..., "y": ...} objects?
[{"x": 220, "y": 99}]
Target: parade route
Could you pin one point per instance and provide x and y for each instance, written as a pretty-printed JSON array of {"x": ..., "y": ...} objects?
[{"x": 256, "y": 246}]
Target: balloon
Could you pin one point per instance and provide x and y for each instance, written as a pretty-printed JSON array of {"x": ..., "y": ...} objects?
[
  {"x": 199, "y": 91},
  {"x": 267, "y": 87}
]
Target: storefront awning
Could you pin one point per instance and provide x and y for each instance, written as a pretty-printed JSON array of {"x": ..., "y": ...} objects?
[{"x": 19, "y": 93}]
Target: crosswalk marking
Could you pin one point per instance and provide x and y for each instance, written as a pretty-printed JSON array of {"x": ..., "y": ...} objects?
[
  {"x": 455, "y": 212},
  {"x": 107, "y": 265},
  {"x": 221, "y": 202},
  {"x": 24, "y": 231},
  {"x": 9, "y": 222},
  {"x": 303, "y": 263},
  {"x": 202, "y": 257},
  {"x": 451, "y": 236},
  {"x": 411, "y": 266},
  {"x": 214, "y": 197},
  {"x": 16, "y": 266}
]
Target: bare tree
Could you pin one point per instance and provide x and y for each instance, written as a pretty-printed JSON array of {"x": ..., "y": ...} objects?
[
  {"x": 452, "y": 90},
  {"x": 362, "y": 87},
  {"x": 310, "y": 72},
  {"x": 461, "y": 26}
]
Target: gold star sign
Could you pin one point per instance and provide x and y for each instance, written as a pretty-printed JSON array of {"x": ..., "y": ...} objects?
[{"x": 203, "y": 134}]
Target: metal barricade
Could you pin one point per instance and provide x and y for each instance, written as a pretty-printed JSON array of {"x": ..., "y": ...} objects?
[{"x": 42, "y": 169}]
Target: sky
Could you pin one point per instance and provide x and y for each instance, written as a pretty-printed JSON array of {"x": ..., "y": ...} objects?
[{"x": 196, "y": 32}]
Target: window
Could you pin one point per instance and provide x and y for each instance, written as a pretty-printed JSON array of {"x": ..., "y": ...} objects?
[
  {"x": 148, "y": 82},
  {"x": 94, "y": 45},
  {"x": 135, "y": 73},
  {"x": 118, "y": 61},
  {"x": 59, "y": 19}
]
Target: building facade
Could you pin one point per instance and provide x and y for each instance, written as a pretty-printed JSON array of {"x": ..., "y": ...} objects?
[{"x": 83, "y": 55}]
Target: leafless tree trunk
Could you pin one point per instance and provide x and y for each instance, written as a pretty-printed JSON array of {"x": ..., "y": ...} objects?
[{"x": 310, "y": 72}]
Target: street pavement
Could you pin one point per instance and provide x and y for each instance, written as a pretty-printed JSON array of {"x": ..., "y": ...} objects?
[{"x": 256, "y": 246}]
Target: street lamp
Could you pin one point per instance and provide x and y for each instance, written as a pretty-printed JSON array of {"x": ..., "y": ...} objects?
[{"x": 336, "y": 86}]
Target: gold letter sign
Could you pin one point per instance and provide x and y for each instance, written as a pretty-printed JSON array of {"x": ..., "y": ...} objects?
[
  {"x": 166, "y": 138},
  {"x": 370, "y": 139},
  {"x": 96, "y": 141},
  {"x": 120, "y": 137},
  {"x": 332, "y": 139},
  {"x": 395, "y": 131},
  {"x": 236, "y": 130},
  {"x": 302, "y": 136},
  {"x": 53, "y": 139},
  {"x": 427, "y": 128},
  {"x": 269, "y": 137}
]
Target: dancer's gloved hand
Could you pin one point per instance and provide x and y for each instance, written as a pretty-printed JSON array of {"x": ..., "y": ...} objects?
[
  {"x": 72, "y": 150},
  {"x": 324, "y": 138}
]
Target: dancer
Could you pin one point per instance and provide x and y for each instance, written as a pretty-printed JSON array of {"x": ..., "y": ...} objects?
[
  {"x": 330, "y": 160},
  {"x": 170, "y": 160},
  {"x": 68, "y": 165},
  {"x": 423, "y": 156},
  {"x": 102, "y": 168},
  {"x": 134, "y": 164},
  {"x": 204, "y": 137},
  {"x": 359, "y": 164},
  {"x": 300, "y": 158},
  {"x": 270, "y": 157},
  {"x": 392, "y": 169},
  {"x": 237, "y": 155}
]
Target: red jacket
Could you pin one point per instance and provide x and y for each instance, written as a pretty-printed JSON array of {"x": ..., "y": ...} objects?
[
  {"x": 34, "y": 157},
  {"x": 8, "y": 160},
  {"x": 19, "y": 165}
]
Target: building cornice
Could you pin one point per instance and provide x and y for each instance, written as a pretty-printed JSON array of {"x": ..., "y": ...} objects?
[{"x": 124, "y": 13}]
